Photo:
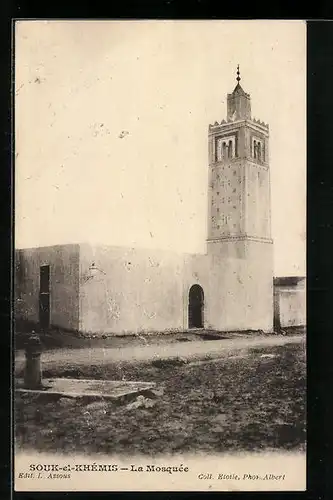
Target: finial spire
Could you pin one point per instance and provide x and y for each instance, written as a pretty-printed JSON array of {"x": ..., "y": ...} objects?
[{"x": 238, "y": 77}]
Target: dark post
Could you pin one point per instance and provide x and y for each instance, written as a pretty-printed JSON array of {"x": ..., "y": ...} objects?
[{"x": 33, "y": 372}]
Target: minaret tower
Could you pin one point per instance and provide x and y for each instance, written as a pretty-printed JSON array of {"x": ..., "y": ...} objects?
[
  {"x": 239, "y": 185},
  {"x": 239, "y": 243}
]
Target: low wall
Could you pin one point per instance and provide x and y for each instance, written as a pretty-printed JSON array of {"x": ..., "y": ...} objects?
[{"x": 290, "y": 308}]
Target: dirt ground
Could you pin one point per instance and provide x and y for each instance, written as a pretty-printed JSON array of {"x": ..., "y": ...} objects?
[
  {"x": 251, "y": 399},
  {"x": 60, "y": 339},
  {"x": 143, "y": 353}
]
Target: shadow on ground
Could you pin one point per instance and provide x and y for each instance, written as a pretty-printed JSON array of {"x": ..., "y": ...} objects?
[{"x": 56, "y": 338}]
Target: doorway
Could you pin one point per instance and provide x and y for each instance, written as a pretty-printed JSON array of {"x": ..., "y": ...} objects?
[
  {"x": 196, "y": 307},
  {"x": 44, "y": 297}
]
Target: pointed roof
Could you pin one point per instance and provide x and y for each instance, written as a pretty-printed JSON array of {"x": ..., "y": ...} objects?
[{"x": 238, "y": 90}]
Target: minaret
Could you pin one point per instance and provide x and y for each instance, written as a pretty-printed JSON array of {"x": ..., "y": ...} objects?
[
  {"x": 239, "y": 243},
  {"x": 239, "y": 185}
]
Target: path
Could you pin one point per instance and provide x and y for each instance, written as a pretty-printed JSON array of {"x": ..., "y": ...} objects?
[{"x": 192, "y": 350}]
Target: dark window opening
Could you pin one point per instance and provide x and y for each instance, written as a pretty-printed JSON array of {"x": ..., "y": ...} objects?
[
  {"x": 44, "y": 297},
  {"x": 44, "y": 286}
]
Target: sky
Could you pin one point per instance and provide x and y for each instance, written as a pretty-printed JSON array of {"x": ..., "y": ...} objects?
[{"x": 111, "y": 129}]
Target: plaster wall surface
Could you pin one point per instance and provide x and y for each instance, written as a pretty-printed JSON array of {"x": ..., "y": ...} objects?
[
  {"x": 134, "y": 290},
  {"x": 241, "y": 287},
  {"x": 137, "y": 290},
  {"x": 64, "y": 284}
]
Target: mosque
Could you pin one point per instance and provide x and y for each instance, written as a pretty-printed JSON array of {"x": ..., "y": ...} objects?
[{"x": 119, "y": 290}]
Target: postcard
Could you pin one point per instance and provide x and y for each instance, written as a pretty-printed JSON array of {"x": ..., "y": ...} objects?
[{"x": 160, "y": 193}]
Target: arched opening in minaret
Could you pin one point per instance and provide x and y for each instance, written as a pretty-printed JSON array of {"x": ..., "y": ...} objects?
[
  {"x": 230, "y": 149},
  {"x": 224, "y": 150},
  {"x": 259, "y": 151},
  {"x": 196, "y": 307}
]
